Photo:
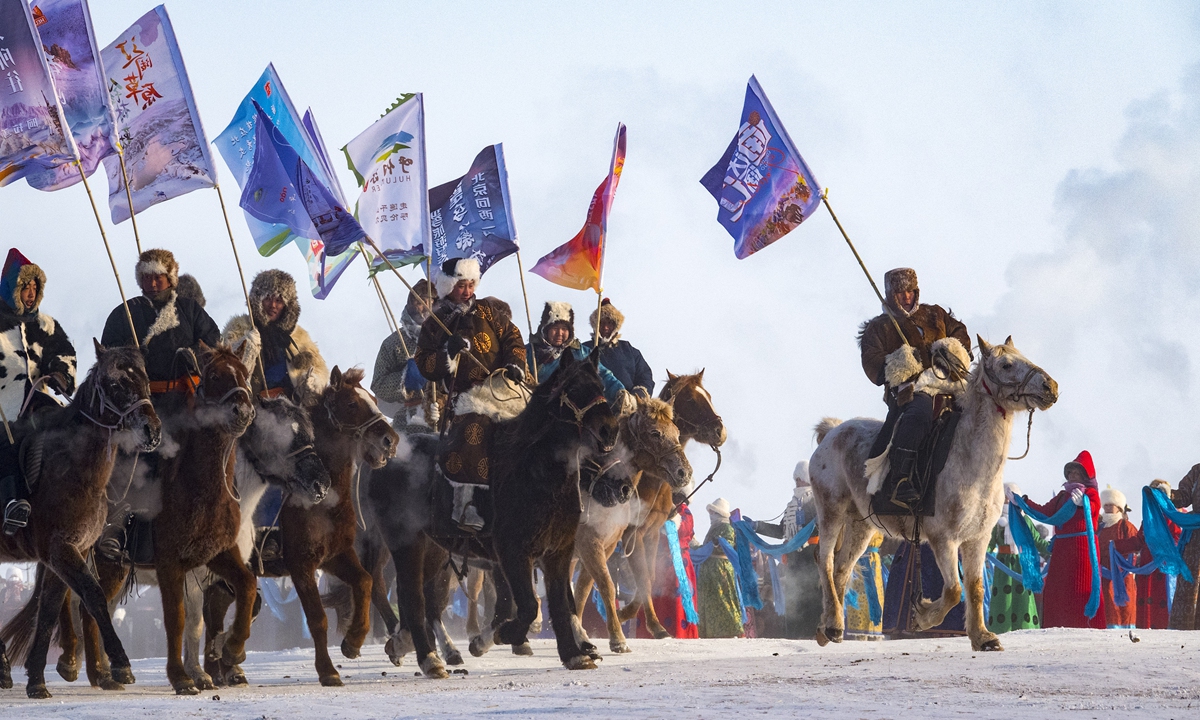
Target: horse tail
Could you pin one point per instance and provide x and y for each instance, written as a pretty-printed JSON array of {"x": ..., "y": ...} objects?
[
  {"x": 824, "y": 427},
  {"x": 339, "y": 599},
  {"x": 17, "y": 633}
]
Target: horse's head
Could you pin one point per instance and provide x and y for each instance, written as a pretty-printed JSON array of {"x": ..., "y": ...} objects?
[
  {"x": 116, "y": 395},
  {"x": 575, "y": 395},
  {"x": 651, "y": 435},
  {"x": 224, "y": 386},
  {"x": 694, "y": 412},
  {"x": 608, "y": 481},
  {"x": 279, "y": 444},
  {"x": 1011, "y": 380},
  {"x": 352, "y": 411}
]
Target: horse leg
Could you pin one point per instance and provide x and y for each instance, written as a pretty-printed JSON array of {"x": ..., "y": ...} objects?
[
  {"x": 216, "y": 603},
  {"x": 49, "y": 600},
  {"x": 832, "y": 525},
  {"x": 579, "y": 596},
  {"x": 557, "y": 569},
  {"x": 593, "y": 556},
  {"x": 503, "y": 610},
  {"x": 304, "y": 578},
  {"x": 193, "y": 598},
  {"x": 114, "y": 671},
  {"x": 68, "y": 642},
  {"x": 379, "y": 598},
  {"x": 474, "y": 587},
  {"x": 973, "y": 556},
  {"x": 436, "y": 601},
  {"x": 111, "y": 577},
  {"x": 348, "y": 569},
  {"x": 518, "y": 570},
  {"x": 170, "y": 586},
  {"x": 229, "y": 565},
  {"x": 931, "y": 614},
  {"x": 645, "y": 577}
]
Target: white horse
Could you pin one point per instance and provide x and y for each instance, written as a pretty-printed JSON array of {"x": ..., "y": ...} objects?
[{"x": 969, "y": 496}]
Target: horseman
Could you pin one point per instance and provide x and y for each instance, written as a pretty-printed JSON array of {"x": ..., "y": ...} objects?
[
  {"x": 35, "y": 354},
  {"x": 396, "y": 378},
  {"x": 483, "y": 340},
  {"x": 556, "y": 335},
  {"x": 624, "y": 360},
  {"x": 276, "y": 348},
  {"x": 930, "y": 367},
  {"x": 166, "y": 324}
]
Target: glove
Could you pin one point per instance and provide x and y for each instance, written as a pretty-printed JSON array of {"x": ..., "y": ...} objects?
[
  {"x": 625, "y": 404},
  {"x": 1008, "y": 495},
  {"x": 413, "y": 379},
  {"x": 515, "y": 373},
  {"x": 456, "y": 344},
  {"x": 58, "y": 383},
  {"x": 1077, "y": 497},
  {"x": 1003, "y": 521}
]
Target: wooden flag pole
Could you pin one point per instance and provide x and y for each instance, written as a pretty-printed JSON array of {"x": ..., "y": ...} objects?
[
  {"x": 861, "y": 264},
  {"x": 528, "y": 316},
  {"x": 262, "y": 371},
  {"x": 596, "y": 330},
  {"x": 129, "y": 197},
  {"x": 104, "y": 237}
]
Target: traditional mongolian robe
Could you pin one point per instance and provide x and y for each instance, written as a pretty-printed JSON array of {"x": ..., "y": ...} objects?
[
  {"x": 1011, "y": 606},
  {"x": 897, "y": 603},
  {"x": 32, "y": 344},
  {"x": 1152, "y": 605},
  {"x": 1115, "y": 615},
  {"x": 864, "y": 596},
  {"x": 1069, "y": 579},
  {"x": 718, "y": 605},
  {"x": 668, "y": 603}
]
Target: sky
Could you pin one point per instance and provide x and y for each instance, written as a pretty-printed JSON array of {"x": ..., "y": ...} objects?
[{"x": 1036, "y": 162}]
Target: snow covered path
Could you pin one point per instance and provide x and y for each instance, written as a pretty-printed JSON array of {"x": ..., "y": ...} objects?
[{"x": 1042, "y": 674}]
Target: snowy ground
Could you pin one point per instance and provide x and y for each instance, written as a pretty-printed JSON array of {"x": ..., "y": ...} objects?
[{"x": 1043, "y": 673}]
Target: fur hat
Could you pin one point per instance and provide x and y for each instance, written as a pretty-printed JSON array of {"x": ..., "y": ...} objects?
[
  {"x": 421, "y": 289},
  {"x": 19, "y": 272},
  {"x": 1161, "y": 485},
  {"x": 900, "y": 280},
  {"x": 453, "y": 271},
  {"x": 1112, "y": 496},
  {"x": 189, "y": 288},
  {"x": 157, "y": 261},
  {"x": 557, "y": 312},
  {"x": 281, "y": 285},
  {"x": 608, "y": 311},
  {"x": 801, "y": 472},
  {"x": 720, "y": 506}
]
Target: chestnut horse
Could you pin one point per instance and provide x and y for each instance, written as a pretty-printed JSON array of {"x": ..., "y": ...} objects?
[{"x": 77, "y": 447}]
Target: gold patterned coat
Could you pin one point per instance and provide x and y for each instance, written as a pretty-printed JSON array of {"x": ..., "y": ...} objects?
[{"x": 495, "y": 341}]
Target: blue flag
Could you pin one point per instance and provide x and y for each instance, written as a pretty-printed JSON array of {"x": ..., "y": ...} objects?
[
  {"x": 763, "y": 186},
  {"x": 282, "y": 188},
  {"x": 471, "y": 216}
]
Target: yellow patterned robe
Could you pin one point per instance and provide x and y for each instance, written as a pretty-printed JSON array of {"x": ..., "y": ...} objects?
[{"x": 868, "y": 569}]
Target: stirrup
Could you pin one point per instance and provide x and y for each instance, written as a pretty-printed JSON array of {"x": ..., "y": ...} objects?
[
  {"x": 110, "y": 545},
  {"x": 470, "y": 521},
  {"x": 16, "y": 515}
]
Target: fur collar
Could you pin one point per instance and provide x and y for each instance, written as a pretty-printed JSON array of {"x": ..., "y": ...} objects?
[
  {"x": 498, "y": 399},
  {"x": 168, "y": 319}
]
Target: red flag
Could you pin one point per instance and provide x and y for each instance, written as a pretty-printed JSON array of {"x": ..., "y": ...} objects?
[{"x": 579, "y": 263}]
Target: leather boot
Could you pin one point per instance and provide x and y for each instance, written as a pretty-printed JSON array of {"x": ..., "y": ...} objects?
[
  {"x": 465, "y": 514},
  {"x": 899, "y": 494}
]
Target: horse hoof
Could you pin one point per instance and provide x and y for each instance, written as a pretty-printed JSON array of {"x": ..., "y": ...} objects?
[
  {"x": 618, "y": 647},
  {"x": 235, "y": 677},
  {"x": 37, "y": 692},
  {"x": 349, "y": 650},
  {"x": 107, "y": 683},
  {"x": 185, "y": 687},
  {"x": 580, "y": 662},
  {"x": 522, "y": 649},
  {"x": 828, "y": 635},
  {"x": 661, "y": 634},
  {"x": 68, "y": 671},
  {"x": 433, "y": 668},
  {"x": 333, "y": 680},
  {"x": 228, "y": 656},
  {"x": 203, "y": 681},
  {"x": 6, "y": 682},
  {"x": 992, "y": 645},
  {"x": 393, "y": 652},
  {"x": 454, "y": 658},
  {"x": 479, "y": 646},
  {"x": 536, "y": 627},
  {"x": 123, "y": 674}
]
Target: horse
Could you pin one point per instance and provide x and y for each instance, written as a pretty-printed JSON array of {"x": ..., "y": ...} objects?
[
  {"x": 969, "y": 495},
  {"x": 651, "y": 439},
  {"x": 535, "y": 495},
  {"x": 697, "y": 419},
  {"x": 76, "y": 448},
  {"x": 350, "y": 430}
]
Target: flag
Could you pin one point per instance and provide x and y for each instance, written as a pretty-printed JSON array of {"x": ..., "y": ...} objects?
[
  {"x": 472, "y": 216},
  {"x": 65, "y": 31},
  {"x": 579, "y": 263},
  {"x": 166, "y": 154},
  {"x": 763, "y": 186},
  {"x": 236, "y": 143},
  {"x": 388, "y": 161},
  {"x": 33, "y": 137},
  {"x": 283, "y": 189}
]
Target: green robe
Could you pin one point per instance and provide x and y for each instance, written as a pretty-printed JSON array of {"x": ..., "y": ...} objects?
[
  {"x": 1012, "y": 607},
  {"x": 720, "y": 613}
]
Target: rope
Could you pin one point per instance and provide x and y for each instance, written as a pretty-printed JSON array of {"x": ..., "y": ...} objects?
[{"x": 1028, "y": 437}]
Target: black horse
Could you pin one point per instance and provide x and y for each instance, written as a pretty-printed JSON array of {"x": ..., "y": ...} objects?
[{"x": 535, "y": 497}]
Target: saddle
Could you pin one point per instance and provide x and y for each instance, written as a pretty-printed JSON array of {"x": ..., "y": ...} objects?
[{"x": 441, "y": 501}]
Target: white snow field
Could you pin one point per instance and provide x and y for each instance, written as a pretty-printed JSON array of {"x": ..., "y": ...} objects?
[{"x": 1042, "y": 674}]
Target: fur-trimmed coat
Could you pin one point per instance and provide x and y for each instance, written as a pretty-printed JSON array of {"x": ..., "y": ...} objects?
[
  {"x": 495, "y": 340},
  {"x": 926, "y": 325},
  {"x": 626, "y": 362},
  {"x": 390, "y": 381},
  {"x": 547, "y": 362},
  {"x": 161, "y": 331},
  {"x": 306, "y": 369},
  {"x": 32, "y": 345}
]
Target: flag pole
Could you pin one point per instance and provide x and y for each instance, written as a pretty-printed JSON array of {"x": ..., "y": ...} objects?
[
  {"x": 388, "y": 315},
  {"x": 861, "y": 264},
  {"x": 528, "y": 316},
  {"x": 129, "y": 197},
  {"x": 432, "y": 314},
  {"x": 104, "y": 237},
  {"x": 262, "y": 372}
]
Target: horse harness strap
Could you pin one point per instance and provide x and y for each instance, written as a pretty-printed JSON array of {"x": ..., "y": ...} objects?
[
  {"x": 356, "y": 430},
  {"x": 186, "y": 384},
  {"x": 578, "y": 412}
]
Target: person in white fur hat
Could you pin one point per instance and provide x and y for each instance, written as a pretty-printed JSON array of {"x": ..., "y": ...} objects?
[
  {"x": 1115, "y": 526},
  {"x": 556, "y": 335}
]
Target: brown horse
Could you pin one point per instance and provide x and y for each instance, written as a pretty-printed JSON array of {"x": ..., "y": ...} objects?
[
  {"x": 77, "y": 447},
  {"x": 199, "y": 517},
  {"x": 698, "y": 420},
  {"x": 350, "y": 430},
  {"x": 651, "y": 439}
]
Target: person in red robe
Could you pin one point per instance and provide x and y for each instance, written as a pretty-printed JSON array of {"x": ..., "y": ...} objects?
[
  {"x": 1114, "y": 518},
  {"x": 1069, "y": 580},
  {"x": 668, "y": 603},
  {"x": 1153, "y": 611}
]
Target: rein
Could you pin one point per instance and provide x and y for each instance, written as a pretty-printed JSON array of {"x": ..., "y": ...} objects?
[
  {"x": 357, "y": 431},
  {"x": 1017, "y": 392},
  {"x": 695, "y": 490}
]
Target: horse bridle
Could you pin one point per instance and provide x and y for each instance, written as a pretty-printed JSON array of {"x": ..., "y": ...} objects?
[
  {"x": 578, "y": 412},
  {"x": 357, "y": 431},
  {"x": 1016, "y": 390},
  {"x": 106, "y": 405}
]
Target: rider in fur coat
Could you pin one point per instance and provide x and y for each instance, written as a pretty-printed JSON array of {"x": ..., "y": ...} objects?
[
  {"x": 284, "y": 352},
  {"x": 396, "y": 379},
  {"x": 934, "y": 362},
  {"x": 556, "y": 335},
  {"x": 33, "y": 347},
  {"x": 624, "y": 360}
]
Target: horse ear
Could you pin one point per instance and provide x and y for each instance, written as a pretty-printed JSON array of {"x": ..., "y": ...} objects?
[
  {"x": 567, "y": 359},
  {"x": 241, "y": 346},
  {"x": 594, "y": 358},
  {"x": 671, "y": 377},
  {"x": 335, "y": 378},
  {"x": 1009, "y": 342},
  {"x": 203, "y": 346},
  {"x": 984, "y": 347},
  {"x": 700, "y": 375},
  {"x": 100, "y": 349}
]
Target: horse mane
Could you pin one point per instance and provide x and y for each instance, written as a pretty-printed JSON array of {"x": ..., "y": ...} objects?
[
  {"x": 353, "y": 376},
  {"x": 659, "y": 411},
  {"x": 678, "y": 383},
  {"x": 84, "y": 391}
]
